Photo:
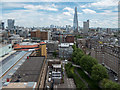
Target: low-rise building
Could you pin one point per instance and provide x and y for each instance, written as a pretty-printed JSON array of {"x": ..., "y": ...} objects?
[
  {"x": 52, "y": 46},
  {"x": 65, "y": 50},
  {"x": 5, "y": 49},
  {"x": 42, "y": 35},
  {"x": 30, "y": 75},
  {"x": 55, "y": 68},
  {"x": 69, "y": 39}
]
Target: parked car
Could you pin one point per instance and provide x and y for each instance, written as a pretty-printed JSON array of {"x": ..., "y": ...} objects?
[{"x": 49, "y": 79}]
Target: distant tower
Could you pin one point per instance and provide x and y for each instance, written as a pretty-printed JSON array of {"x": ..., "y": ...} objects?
[
  {"x": 75, "y": 21},
  {"x": 86, "y": 26},
  {"x": 11, "y": 24},
  {"x": 1, "y": 25}
]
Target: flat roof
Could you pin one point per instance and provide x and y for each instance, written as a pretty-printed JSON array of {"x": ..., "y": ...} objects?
[
  {"x": 29, "y": 71},
  {"x": 66, "y": 44},
  {"x": 20, "y": 85},
  {"x": 28, "y": 43},
  {"x": 56, "y": 65}
]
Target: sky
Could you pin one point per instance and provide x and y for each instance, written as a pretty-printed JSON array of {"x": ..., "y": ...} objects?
[{"x": 39, "y": 13}]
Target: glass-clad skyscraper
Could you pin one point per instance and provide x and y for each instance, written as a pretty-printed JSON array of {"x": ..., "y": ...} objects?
[{"x": 75, "y": 21}]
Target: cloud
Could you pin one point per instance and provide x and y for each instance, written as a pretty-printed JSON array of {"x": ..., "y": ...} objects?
[
  {"x": 109, "y": 13},
  {"x": 38, "y": 7},
  {"x": 79, "y": 13},
  {"x": 67, "y": 13},
  {"x": 71, "y": 10},
  {"x": 82, "y": 6},
  {"x": 88, "y": 11},
  {"x": 9, "y": 5},
  {"x": 105, "y": 3},
  {"x": 47, "y": 0},
  {"x": 45, "y": 14}
]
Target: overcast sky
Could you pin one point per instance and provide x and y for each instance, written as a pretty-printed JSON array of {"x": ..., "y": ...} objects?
[{"x": 101, "y": 13}]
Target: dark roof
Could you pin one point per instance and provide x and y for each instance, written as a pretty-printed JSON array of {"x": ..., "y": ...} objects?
[{"x": 29, "y": 71}]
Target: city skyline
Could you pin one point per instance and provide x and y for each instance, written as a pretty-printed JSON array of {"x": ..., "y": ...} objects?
[{"x": 39, "y": 14}]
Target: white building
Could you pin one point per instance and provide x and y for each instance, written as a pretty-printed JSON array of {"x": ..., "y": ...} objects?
[{"x": 5, "y": 49}]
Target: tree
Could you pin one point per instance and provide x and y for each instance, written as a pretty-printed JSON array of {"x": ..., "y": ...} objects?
[
  {"x": 69, "y": 70},
  {"x": 54, "y": 53},
  {"x": 105, "y": 83},
  {"x": 87, "y": 62},
  {"x": 99, "y": 72},
  {"x": 74, "y": 47},
  {"x": 77, "y": 55}
]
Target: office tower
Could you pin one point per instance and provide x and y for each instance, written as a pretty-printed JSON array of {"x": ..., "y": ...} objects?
[
  {"x": 86, "y": 26},
  {"x": 1, "y": 25},
  {"x": 75, "y": 21},
  {"x": 11, "y": 24}
]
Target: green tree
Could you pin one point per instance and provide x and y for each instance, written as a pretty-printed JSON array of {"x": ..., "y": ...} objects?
[
  {"x": 54, "y": 53},
  {"x": 99, "y": 72},
  {"x": 105, "y": 83},
  {"x": 87, "y": 62},
  {"x": 77, "y": 55},
  {"x": 74, "y": 47},
  {"x": 69, "y": 70}
]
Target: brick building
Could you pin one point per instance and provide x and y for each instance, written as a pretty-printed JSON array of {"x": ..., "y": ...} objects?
[
  {"x": 69, "y": 39},
  {"x": 42, "y": 35}
]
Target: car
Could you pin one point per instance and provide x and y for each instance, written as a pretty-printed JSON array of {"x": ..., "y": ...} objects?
[
  {"x": 66, "y": 61},
  {"x": 48, "y": 87},
  {"x": 116, "y": 78},
  {"x": 49, "y": 79},
  {"x": 50, "y": 73}
]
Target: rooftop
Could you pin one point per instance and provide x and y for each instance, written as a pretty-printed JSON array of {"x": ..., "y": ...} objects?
[
  {"x": 29, "y": 71},
  {"x": 56, "y": 65},
  {"x": 66, "y": 44},
  {"x": 20, "y": 85}
]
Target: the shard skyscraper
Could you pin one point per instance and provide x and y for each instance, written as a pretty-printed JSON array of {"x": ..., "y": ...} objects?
[{"x": 75, "y": 21}]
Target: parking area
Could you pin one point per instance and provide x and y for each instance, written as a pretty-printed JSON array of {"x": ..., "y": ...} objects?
[
  {"x": 49, "y": 81},
  {"x": 68, "y": 83},
  {"x": 112, "y": 75}
]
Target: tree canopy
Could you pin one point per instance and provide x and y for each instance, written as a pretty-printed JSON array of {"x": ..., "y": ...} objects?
[
  {"x": 77, "y": 55},
  {"x": 99, "y": 72},
  {"x": 105, "y": 83},
  {"x": 87, "y": 62}
]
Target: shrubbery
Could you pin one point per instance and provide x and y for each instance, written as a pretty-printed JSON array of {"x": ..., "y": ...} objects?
[
  {"x": 89, "y": 64},
  {"x": 70, "y": 73},
  {"x": 105, "y": 83},
  {"x": 69, "y": 70}
]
